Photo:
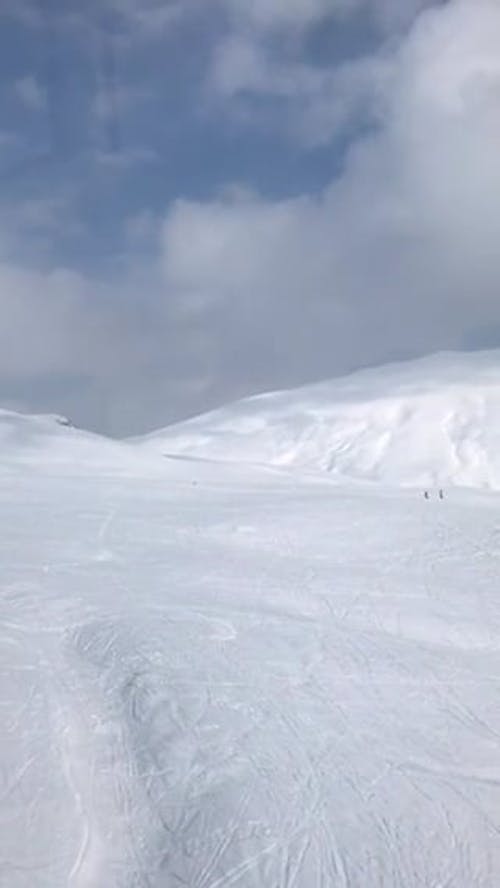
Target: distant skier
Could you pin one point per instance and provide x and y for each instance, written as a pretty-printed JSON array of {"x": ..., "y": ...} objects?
[
  {"x": 441, "y": 494},
  {"x": 426, "y": 494}
]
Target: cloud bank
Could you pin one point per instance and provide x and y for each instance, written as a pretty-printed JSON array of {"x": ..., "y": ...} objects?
[{"x": 395, "y": 256}]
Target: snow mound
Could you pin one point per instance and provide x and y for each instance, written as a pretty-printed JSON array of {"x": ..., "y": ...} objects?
[
  {"x": 427, "y": 422},
  {"x": 51, "y": 439}
]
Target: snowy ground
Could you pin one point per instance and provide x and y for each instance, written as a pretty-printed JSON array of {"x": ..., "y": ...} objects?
[{"x": 231, "y": 676}]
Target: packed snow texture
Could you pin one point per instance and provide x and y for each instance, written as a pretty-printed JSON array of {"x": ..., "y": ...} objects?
[
  {"x": 219, "y": 675},
  {"x": 432, "y": 421}
]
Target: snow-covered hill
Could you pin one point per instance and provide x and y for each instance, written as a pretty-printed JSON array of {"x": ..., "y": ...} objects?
[
  {"x": 426, "y": 422},
  {"x": 50, "y": 441}
]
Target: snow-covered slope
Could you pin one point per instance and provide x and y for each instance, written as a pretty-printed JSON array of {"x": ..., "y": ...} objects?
[
  {"x": 50, "y": 441},
  {"x": 432, "y": 421},
  {"x": 244, "y": 678},
  {"x": 218, "y": 674}
]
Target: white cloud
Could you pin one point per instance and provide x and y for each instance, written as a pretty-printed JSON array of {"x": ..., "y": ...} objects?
[
  {"x": 261, "y": 56},
  {"x": 151, "y": 19},
  {"x": 285, "y": 13},
  {"x": 31, "y": 93},
  {"x": 394, "y": 14},
  {"x": 114, "y": 99},
  {"x": 84, "y": 339},
  {"x": 397, "y": 256},
  {"x": 41, "y": 314},
  {"x": 299, "y": 15},
  {"x": 142, "y": 229},
  {"x": 22, "y": 11},
  {"x": 125, "y": 158},
  {"x": 400, "y": 253},
  {"x": 153, "y": 16},
  {"x": 317, "y": 103}
]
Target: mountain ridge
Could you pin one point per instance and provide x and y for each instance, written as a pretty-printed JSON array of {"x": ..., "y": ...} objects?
[{"x": 432, "y": 421}]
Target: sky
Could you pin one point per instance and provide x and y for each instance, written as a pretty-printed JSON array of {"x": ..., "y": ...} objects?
[{"x": 205, "y": 199}]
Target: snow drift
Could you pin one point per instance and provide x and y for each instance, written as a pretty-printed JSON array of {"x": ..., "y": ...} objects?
[{"x": 425, "y": 422}]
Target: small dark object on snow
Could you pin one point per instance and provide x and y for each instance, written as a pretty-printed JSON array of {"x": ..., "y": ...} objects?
[
  {"x": 441, "y": 494},
  {"x": 426, "y": 494}
]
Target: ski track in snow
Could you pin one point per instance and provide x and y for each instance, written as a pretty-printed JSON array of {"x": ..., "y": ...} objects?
[{"x": 257, "y": 680}]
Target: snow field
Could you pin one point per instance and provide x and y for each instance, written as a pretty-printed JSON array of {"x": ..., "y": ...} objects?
[{"x": 220, "y": 675}]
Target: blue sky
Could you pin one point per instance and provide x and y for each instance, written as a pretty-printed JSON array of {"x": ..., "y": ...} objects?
[
  {"x": 126, "y": 122},
  {"x": 206, "y": 198}
]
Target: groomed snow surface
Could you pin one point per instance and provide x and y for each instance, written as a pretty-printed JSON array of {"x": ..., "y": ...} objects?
[{"x": 217, "y": 674}]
